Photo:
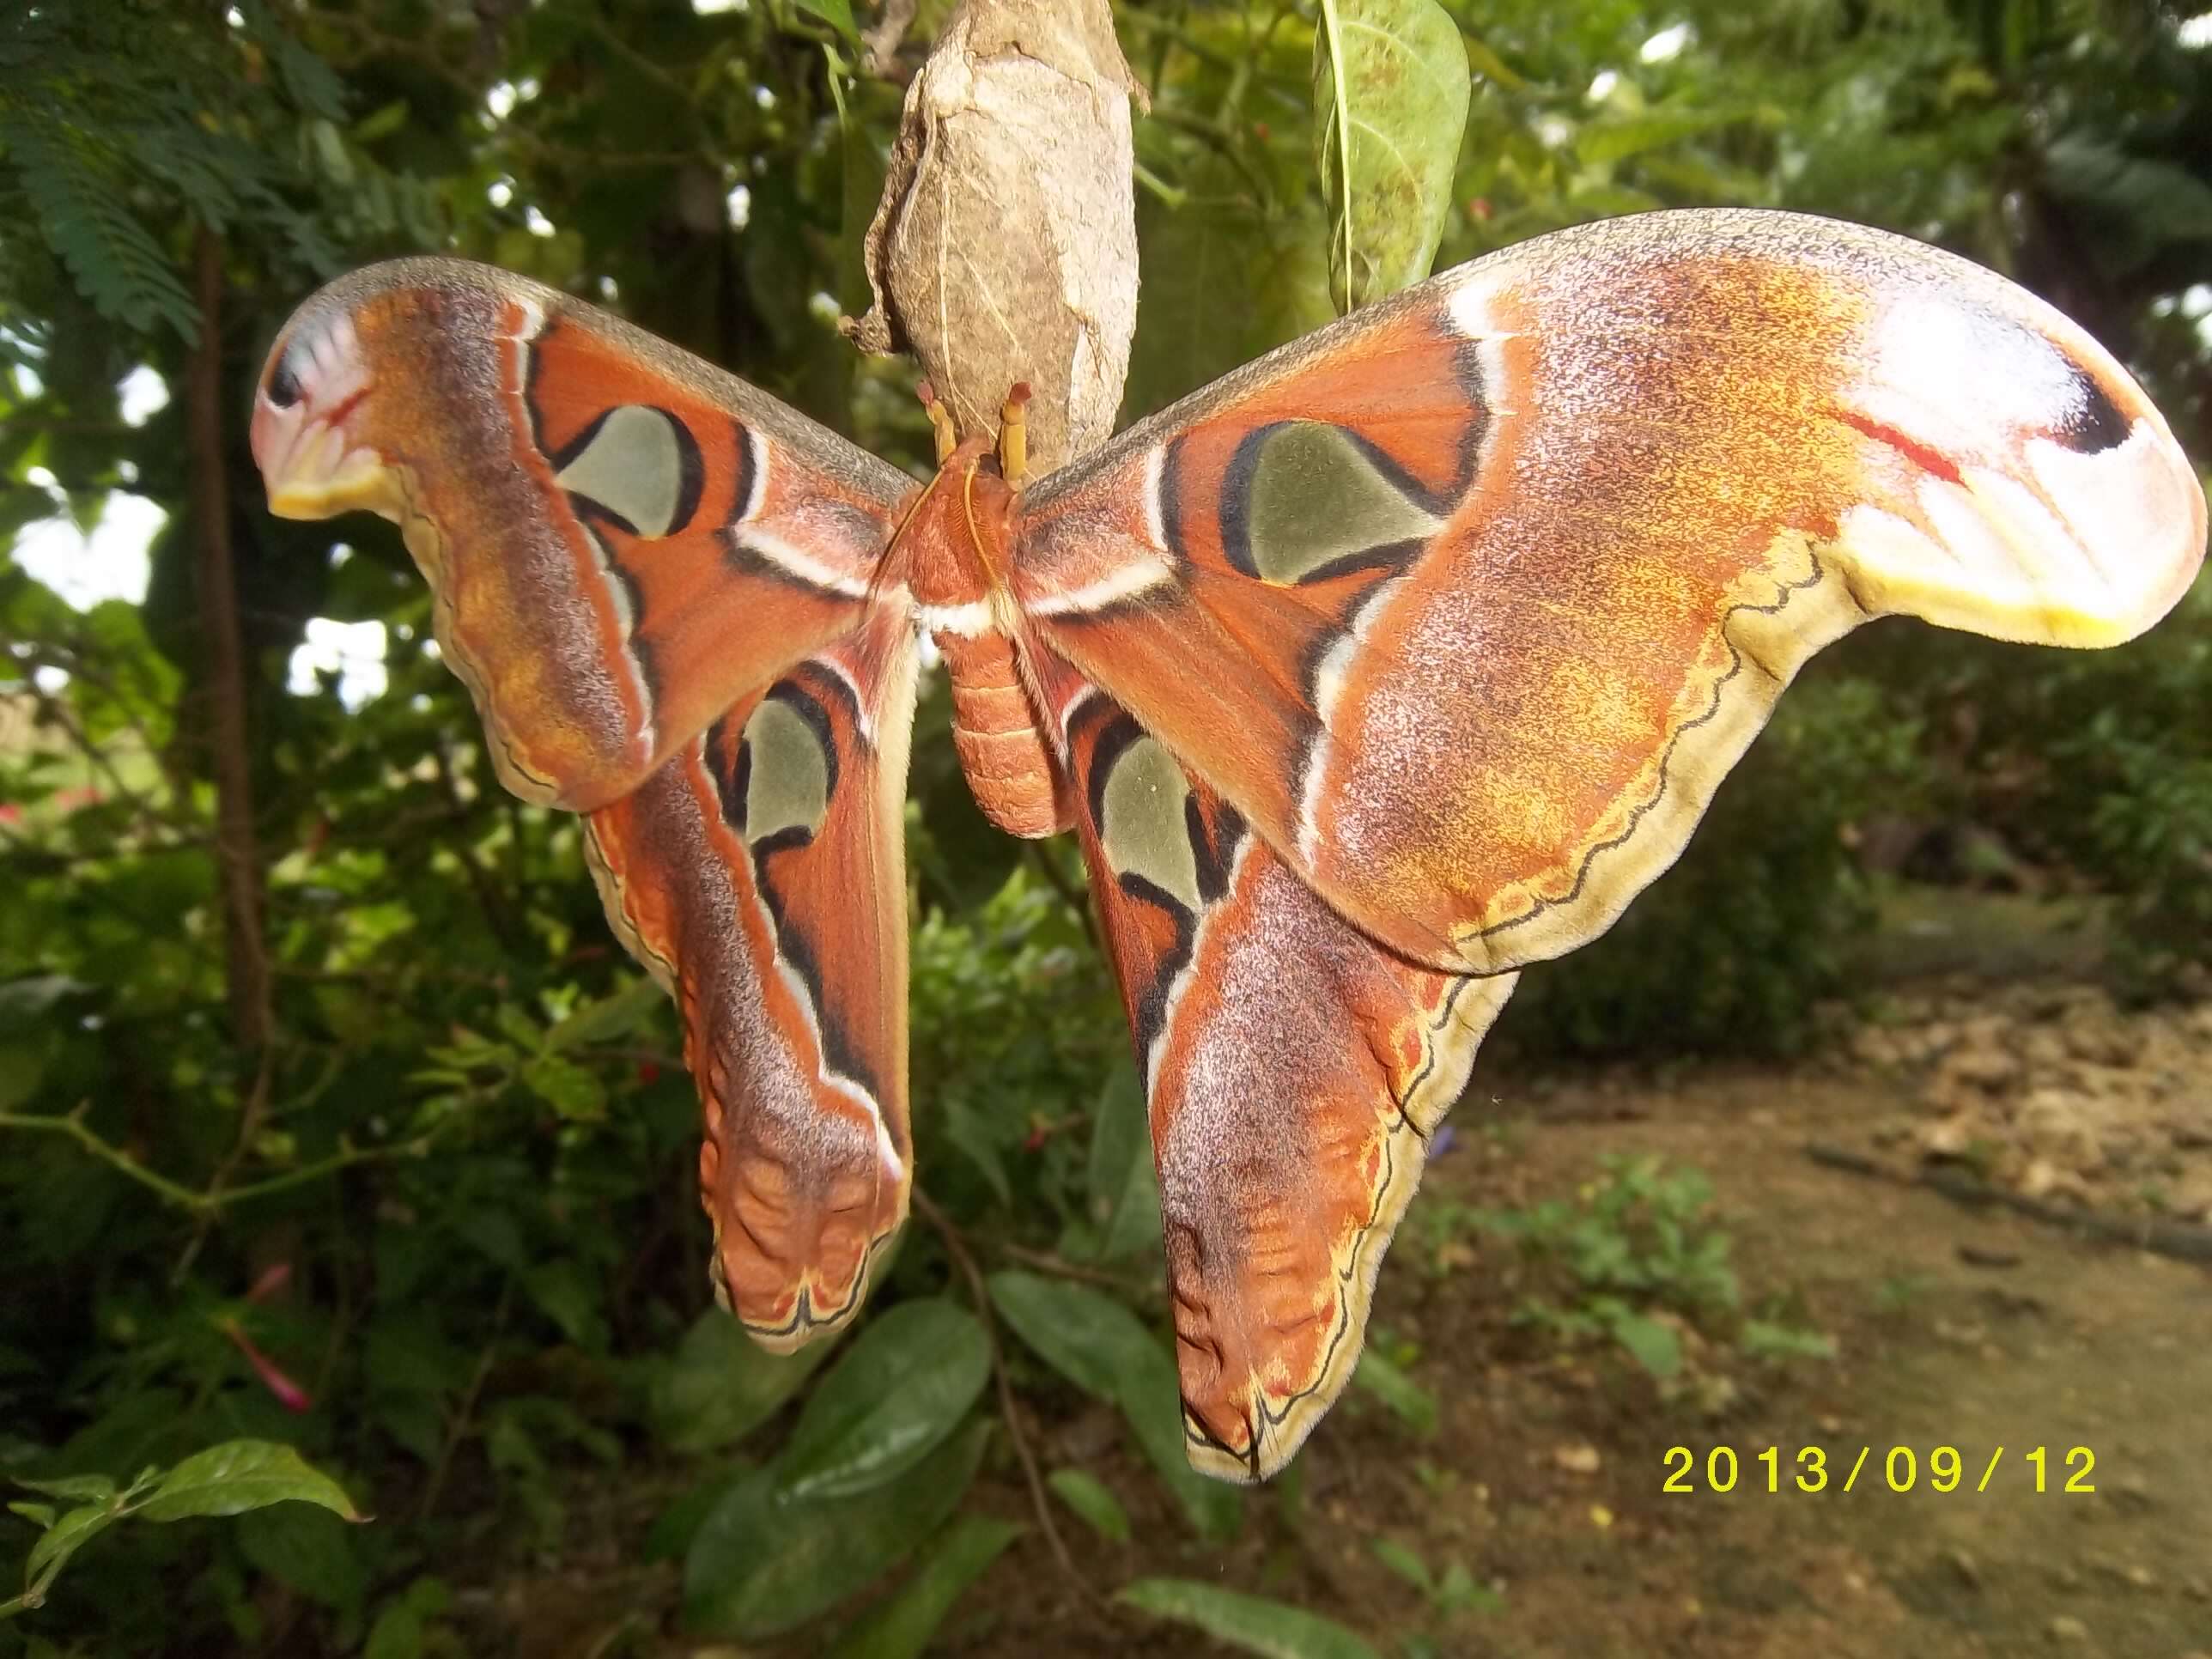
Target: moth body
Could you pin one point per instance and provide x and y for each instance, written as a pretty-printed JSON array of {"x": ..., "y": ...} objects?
[{"x": 954, "y": 548}]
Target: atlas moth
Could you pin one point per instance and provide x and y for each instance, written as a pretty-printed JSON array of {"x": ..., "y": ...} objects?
[{"x": 1395, "y": 661}]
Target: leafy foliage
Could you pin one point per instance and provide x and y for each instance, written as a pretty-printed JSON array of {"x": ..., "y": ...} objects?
[
  {"x": 436, "y": 1237},
  {"x": 1637, "y": 1259}
]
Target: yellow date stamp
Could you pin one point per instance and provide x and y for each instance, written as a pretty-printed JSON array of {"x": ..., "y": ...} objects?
[{"x": 1896, "y": 1469}]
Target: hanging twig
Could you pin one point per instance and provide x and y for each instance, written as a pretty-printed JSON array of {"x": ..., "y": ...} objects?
[
  {"x": 1059, "y": 1268},
  {"x": 962, "y": 1258}
]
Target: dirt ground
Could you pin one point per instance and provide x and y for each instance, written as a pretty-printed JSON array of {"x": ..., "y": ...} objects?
[{"x": 1972, "y": 1328}]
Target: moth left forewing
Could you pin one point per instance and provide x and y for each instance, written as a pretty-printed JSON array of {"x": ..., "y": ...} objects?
[
  {"x": 621, "y": 539},
  {"x": 1295, "y": 1072},
  {"x": 1468, "y": 602},
  {"x": 759, "y": 874}
]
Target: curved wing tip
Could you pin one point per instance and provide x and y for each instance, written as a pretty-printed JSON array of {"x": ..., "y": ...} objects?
[{"x": 1277, "y": 1443}]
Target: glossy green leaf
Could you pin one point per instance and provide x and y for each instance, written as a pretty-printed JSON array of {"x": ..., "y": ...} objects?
[
  {"x": 670, "y": 1536},
  {"x": 1152, "y": 1402},
  {"x": 1251, "y": 1623},
  {"x": 721, "y": 1384},
  {"x": 240, "y": 1475},
  {"x": 759, "y": 1566},
  {"x": 1083, "y": 1334},
  {"x": 900, "y": 1627},
  {"x": 1091, "y": 1499},
  {"x": 902, "y": 1385},
  {"x": 1103, "y": 1348},
  {"x": 1390, "y": 97}
]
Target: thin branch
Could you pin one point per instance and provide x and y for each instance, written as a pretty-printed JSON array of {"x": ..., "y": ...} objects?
[
  {"x": 247, "y": 955},
  {"x": 1045, "y": 1262},
  {"x": 956, "y": 1248},
  {"x": 72, "y": 1127},
  {"x": 881, "y": 44},
  {"x": 457, "y": 1431}
]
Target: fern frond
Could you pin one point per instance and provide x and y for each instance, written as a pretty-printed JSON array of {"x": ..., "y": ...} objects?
[{"x": 83, "y": 210}]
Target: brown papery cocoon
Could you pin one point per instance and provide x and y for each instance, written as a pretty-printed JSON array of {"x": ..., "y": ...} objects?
[{"x": 1005, "y": 246}]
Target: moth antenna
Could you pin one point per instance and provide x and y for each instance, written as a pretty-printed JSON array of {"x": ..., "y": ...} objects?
[
  {"x": 941, "y": 422},
  {"x": 1014, "y": 435}
]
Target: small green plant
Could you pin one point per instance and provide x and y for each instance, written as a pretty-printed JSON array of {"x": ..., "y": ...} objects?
[
  {"x": 1641, "y": 1262},
  {"x": 1447, "y": 1595}
]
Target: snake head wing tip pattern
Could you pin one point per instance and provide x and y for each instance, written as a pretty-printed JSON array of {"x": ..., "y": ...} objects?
[{"x": 1387, "y": 664}]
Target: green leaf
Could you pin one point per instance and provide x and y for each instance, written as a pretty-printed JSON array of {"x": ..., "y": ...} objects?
[
  {"x": 1224, "y": 281},
  {"x": 1105, "y": 1350},
  {"x": 1656, "y": 1348},
  {"x": 65, "y": 1537},
  {"x": 610, "y": 1017},
  {"x": 1390, "y": 97},
  {"x": 240, "y": 1475},
  {"x": 309, "y": 1549},
  {"x": 2139, "y": 207},
  {"x": 1401, "y": 1559},
  {"x": 1407, "y": 1400},
  {"x": 84, "y": 1488},
  {"x": 523, "y": 1032},
  {"x": 566, "y": 1087},
  {"x": 672, "y": 1530},
  {"x": 903, "y": 1384},
  {"x": 78, "y": 197},
  {"x": 759, "y": 1567},
  {"x": 1091, "y": 1499},
  {"x": 901, "y": 1625},
  {"x": 1083, "y": 1334},
  {"x": 1614, "y": 138},
  {"x": 1125, "y": 1190},
  {"x": 838, "y": 13},
  {"x": 400, "y": 1628},
  {"x": 721, "y": 1384},
  {"x": 569, "y": 1295},
  {"x": 1250, "y": 1622},
  {"x": 40, "y": 1515}
]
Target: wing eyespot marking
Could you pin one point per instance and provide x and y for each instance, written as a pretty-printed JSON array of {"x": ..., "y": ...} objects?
[
  {"x": 638, "y": 466},
  {"x": 2095, "y": 423},
  {"x": 1307, "y": 500},
  {"x": 1143, "y": 824},
  {"x": 786, "y": 774}
]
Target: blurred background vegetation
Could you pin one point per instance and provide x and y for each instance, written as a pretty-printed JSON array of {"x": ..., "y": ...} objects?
[{"x": 383, "y": 1152}]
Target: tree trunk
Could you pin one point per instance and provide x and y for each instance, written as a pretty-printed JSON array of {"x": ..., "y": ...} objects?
[{"x": 245, "y": 959}]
